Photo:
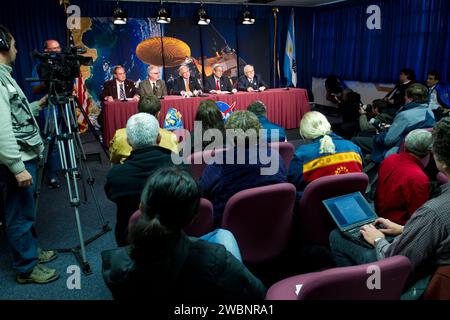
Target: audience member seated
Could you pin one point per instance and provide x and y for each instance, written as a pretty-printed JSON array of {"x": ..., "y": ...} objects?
[
  {"x": 251, "y": 81},
  {"x": 396, "y": 97},
  {"x": 348, "y": 108},
  {"x": 326, "y": 153},
  {"x": 372, "y": 117},
  {"x": 402, "y": 185},
  {"x": 439, "y": 99},
  {"x": 217, "y": 82},
  {"x": 220, "y": 182},
  {"x": 153, "y": 85},
  {"x": 186, "y": 85},
  {"x": 119, "y": 88},
  {"x": 119, "y": 149},
  {"x": 163, "y": 263},
  {"x": 124, "y": 182},
  {"x": 425, "y": 238},
  {"x": 259, "y": 109},
  {"x": 210, "y": 117},
  {"x": 415, "y": 114},
  {"x": 334, "y": 89}
]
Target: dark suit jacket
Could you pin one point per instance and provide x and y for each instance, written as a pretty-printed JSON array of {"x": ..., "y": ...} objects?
[
  {"x": 145, "y": 88},
  {"x": 243, "y": 83},
  {"x": 110, "y": 89},
  {"x": 179, "y": 85},
  {"x": 225, "y": 84},
  {"x": 399, "y": 95}
]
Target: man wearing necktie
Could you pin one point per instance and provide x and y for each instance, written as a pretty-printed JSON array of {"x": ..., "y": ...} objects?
[
  {"x": 251, "y": 81},
  {"x": 119, "y": 88},
  {"x": 153, "y": 85},
  {"x": 217, "y": 82},
  {"x": 186, "y": 85}
]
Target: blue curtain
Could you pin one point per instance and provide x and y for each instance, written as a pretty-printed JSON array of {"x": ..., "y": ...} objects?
[{"x": 414, "y": 33}]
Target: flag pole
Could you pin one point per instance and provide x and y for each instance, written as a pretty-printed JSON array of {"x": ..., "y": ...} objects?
[{"x": 275, "y": 20}]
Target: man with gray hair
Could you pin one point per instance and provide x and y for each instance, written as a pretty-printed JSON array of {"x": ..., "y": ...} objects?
[
  {"x": 402, "y": 185},
  {"x": 185, "y": 84},
  {"x": 153, "y": 85},
  {"x": 124, "y": 182},
  {"x": 217, "y": 82},
  {"x": 251, "y": 81}
]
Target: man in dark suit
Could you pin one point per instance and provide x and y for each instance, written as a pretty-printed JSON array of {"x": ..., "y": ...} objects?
[
  {"x": 186, "y": 85},
  {"x": 217, "y": 82},
  {"x": 153, "y": 86},
  {"x": 396, "y": 98},
  {"x": 119, "y": 88},
  {"x": 251, "y": 81}
]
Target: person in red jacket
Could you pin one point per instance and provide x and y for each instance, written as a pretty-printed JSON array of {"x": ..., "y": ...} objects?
[{"x": 402, "y": 185}]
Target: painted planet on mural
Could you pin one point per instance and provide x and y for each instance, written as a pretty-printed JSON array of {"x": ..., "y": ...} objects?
[{"x": 163, "y": 50}]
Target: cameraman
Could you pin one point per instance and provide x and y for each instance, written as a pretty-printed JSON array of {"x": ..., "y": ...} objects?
[
  {"x": 20, "y": 146},
  {"x": 372, "y": 118}
]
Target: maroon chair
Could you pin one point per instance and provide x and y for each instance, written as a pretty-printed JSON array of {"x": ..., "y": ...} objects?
[
  {"x": 314, "y": 220},
  {"x": 197, "y": 161},
  {"x": 286, "y": 151},
  {"x": 347, "y": 283},
  {"x": 441, "y": 178},
  {"x": 261, "y": 220},
  {"x": 202, "y": 223}
]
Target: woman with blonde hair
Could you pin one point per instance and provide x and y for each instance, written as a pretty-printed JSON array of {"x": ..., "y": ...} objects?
[{"x": 324, "y": 154}]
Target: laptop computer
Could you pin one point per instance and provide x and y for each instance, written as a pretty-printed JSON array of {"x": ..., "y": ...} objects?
[{"x": 351, "y": 212}]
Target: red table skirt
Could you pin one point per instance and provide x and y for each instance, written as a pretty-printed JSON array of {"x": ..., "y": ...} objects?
[{"x": 284, "y": 107}]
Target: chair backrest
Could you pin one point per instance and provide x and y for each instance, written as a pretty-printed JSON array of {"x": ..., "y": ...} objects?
[
  {"x": 202, "y": 223},
  {"x": 286, "y": 151},
  {"x": 314, "y": 219},
  {"x": 197, "y": 161},
  {"x": 441, "y": 178},
  {"x": 381, "y": 280},
  {"x": 261, "y": 220}
]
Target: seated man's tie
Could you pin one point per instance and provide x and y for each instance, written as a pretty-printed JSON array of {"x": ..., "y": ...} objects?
[{"x": 122, "y": 92}]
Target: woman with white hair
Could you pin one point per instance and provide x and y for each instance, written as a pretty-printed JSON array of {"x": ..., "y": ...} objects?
[{"x": 325, "y": 154}]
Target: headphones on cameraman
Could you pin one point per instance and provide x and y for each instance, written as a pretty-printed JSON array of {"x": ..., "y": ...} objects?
[{"x": 4, "y": 44}]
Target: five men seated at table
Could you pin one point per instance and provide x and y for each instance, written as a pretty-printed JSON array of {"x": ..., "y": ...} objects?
[
  {"x": 153, "y": 85},
  {"x": 119, "y": 88},
  {"x": 217, "y": 82}
]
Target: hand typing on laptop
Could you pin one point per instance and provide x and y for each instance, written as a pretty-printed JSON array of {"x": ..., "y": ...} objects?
[{"x": 379, "y": 229}]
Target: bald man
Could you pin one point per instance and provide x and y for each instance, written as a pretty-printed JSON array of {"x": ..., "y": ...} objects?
[{"x": 186, "y": 85}]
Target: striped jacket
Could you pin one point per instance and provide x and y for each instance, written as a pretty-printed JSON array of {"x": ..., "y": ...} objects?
[{"x": 308, "y": 164}]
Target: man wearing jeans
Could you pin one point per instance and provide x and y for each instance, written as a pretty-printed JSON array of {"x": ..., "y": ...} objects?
[{"x": 20, "y": 146}]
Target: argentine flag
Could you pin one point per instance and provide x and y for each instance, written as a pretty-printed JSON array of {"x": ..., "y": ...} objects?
[{"x": 290, "y": 63}]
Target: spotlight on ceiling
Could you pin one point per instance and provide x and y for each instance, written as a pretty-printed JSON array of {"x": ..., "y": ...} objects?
[
  {"x": 120, "y": 15},
  {"x": 247, "y": 17},
  {"x": 163, "y": 15},
  {"x": 203, "y": 18}
]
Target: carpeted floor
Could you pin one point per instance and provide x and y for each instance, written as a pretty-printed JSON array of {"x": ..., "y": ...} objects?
[{"x": 56, "y": 227}]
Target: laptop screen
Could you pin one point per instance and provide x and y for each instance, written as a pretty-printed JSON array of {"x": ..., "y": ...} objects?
[{"x": 350, "y": 209}]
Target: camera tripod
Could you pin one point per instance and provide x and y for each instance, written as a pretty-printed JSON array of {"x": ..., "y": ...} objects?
[{"x": 61, "y": 127}]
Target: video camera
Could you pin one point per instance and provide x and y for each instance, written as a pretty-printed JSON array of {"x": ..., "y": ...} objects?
[{"x": 58, "y": 70}]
